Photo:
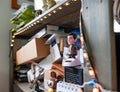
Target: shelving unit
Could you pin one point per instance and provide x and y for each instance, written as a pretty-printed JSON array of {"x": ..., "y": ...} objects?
[{"x": 65, "y": 14}]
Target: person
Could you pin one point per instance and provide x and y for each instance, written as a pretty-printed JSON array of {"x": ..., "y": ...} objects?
[
  {"x": 71, "y": 38},
  {"x": 70, "y": 53}
]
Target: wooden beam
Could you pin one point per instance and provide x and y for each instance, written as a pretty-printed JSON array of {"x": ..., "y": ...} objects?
[{"x": 98, "y": 22}]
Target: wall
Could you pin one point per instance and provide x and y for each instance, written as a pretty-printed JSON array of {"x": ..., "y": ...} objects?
[{"x": 5, "y": 15}]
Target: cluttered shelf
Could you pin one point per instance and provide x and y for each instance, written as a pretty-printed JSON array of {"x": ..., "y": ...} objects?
[
  {"x": 64, "y": 14},
  {"x": 73, "y": 73}
]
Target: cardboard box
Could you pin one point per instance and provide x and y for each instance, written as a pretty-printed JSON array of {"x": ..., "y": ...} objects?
[
  {"x": 35, "y": 50},
  {"x": 47, "y": 77},
  {"x": 58, "y": 69},
  {"x": 17, "y": 45}
]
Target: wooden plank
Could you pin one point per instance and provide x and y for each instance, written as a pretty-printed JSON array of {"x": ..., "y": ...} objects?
[
  {"x": 22, "y": 87},
  {"x": 98, "y": 22}
]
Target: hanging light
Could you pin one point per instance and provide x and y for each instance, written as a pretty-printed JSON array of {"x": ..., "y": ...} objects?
[
  {"x": 86, "y": 56},
  {"x": 54, "y": 11},
  {"x": 38, "y": 21},
  {"x": 60, "y": 8},
  {"x": 95, "y": 89},
  {"x": 67, "y": 3},
  {"x": 45, "y": 17},
  {"x": 82, "y": 39},
  {"x": 24, "y": 29},
  {"x": 74, "y": 0},
  {"x": 35, "y": 23},
  {"x": 81, "y": 10},
  {"x": 11, "y": 45},
  {"x": 91, "y": 72},
  {"x": 27, "y": 28},
  {"x": 80, "y": 24},
  {"x": 41, "y": 19},
  {"x": 32, "y": 25},
  {"x": 13, "y": 36},
  {"x": 49, "y": 14},
  {"x": 12, "y": 41}
]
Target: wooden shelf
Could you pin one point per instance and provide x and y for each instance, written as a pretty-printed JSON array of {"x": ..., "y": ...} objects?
[
  {"x": 24, "y": 87},
  {"x": 68, "y": 17}
]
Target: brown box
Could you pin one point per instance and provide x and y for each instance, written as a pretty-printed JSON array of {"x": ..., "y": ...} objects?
[
  {"x": 17, "y": 45},
  {"x": 47, "y": 77},
  {"x": 35, "y": 50},
  {"x": 58, "y": 69}
]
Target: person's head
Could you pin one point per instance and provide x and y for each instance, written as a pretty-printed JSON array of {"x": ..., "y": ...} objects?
[{"x": 71, "y": 38}]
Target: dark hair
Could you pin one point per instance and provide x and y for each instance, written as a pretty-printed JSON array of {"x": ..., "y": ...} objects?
[{"x": 74, "y": 35}]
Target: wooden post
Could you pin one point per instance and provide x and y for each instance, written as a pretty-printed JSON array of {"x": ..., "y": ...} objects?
[{"x": 98, "y": 23}]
